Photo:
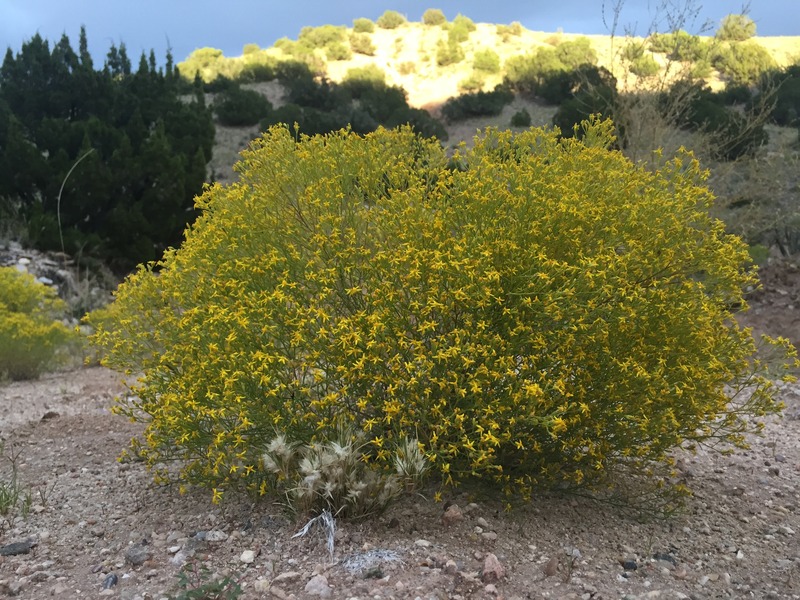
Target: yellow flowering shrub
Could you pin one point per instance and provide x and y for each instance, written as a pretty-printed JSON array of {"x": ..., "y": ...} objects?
[
  {"x": 32, "y": 340},
  {"x": 533, "y": 311}
]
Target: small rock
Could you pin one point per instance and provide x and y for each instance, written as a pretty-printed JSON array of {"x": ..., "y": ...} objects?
[
  {"x": 17, "y": 548},
  {"x": 666, "y": 557},
  {"x": 287, "y": 576},
  {"x": 247, "y": 557},
  {"x": 493, "y": 571},
  {"x": 481, "y": 522},
  {"x": 491, "y": 589},
  {"x": 58, "y": 589},
  {"x": 489, "y": 536},
  {"x": 550, "y": 568},
  {"x": 785, "y": 530},
  {"x": 110, "y": 581},
  {"x": 318, "y": 586},
  {"x": 216, "y": 536},
  {"x": 261, "y": 586},
  {"x": 138, "y": 554},
  {"x": 422, "y": 543},
  {"x": 629, "y": 564},
  {"x": 452, "y": 515}
]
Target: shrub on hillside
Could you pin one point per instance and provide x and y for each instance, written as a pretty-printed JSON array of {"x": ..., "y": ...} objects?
[
  {"x": 359, "y": 77},
  {"x": 564, "y": 85},
  {"x": 363, "y": 25},
  {"x": 460, "y": 29},
  {"x": 338, "y": 51},
  {"x": 521, "y": 118},
  {"x": 506, "y": 32},
  {"x": 419, "y": 120},
  {"x": 743, "y": 62},
  {"x": 32, "y": 338},
  {"x": 548, "y": 313},
  {"x": 391, "y": 19},
  {"x": 322, "y": 36},
  {"x": 472, "y": 83},
  {"x": 736, "y": 28},
  {"x": 582, "y": 106},
  {"x": 433, "y": 16},
  {"x": 486, "y": 60},
  {"x": 679, "y": 45},
  {"x": 361, "y": 43},
  {"x": 576, "y": 53},
  {"x": 525, "y": 73},
  {"x": 477, "y": 104},
  {"x": 787, "y": 96},
  {"x": 644, "y": 66},
  {"x": 448, "y": 53},
  {"x": 237, "y": 107}
]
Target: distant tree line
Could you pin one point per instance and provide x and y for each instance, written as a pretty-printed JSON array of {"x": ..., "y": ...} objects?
[{"x": 144, "y": 149}]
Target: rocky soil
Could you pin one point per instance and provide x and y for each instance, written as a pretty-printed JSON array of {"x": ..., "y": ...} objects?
[{"x": 95, "y": 527}]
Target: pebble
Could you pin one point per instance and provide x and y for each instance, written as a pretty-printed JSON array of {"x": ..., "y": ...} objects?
[
  {"x": 287, "y": 576},
  {"x": 550, "y": 568},
  {"x": 318, "y": 586},
  {"x": 482, "y": 523},
  {"x": 247, "y": 557},
  {"x": 110, "y": 581},
  {"x": 422, "y": 543},
  {"x": 493, "y": 571},
  {"x": 452, "y": 515},
  {"x": 137, "y": 554}
]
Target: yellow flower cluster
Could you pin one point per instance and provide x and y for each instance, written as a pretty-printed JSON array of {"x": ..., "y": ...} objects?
[{"x": 533, "y": 310}]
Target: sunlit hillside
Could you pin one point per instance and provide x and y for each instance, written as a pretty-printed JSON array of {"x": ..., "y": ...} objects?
[{"x": 409, "y": 56}]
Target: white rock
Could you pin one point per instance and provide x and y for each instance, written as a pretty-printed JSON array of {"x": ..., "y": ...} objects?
[
  {"x": 215, "y": 535},
  {"x": 423, "y": 543},
  {"x": 247, "y": 557},
  {"x": 318, "y": 586}
]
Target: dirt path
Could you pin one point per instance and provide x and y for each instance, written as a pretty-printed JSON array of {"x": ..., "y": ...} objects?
[{"x": 94, "y": 522}]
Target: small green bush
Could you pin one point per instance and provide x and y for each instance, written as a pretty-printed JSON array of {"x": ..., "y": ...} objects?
[
  {"x": 644, "y": 66},
  {"x": 448, "y": 53},
  {"x": 477, "y": 104},
  {"x": 362, "y": 25},
  {"x": 548, "y": 313},
  {"x": 460, "y": 29},
  {"x": 338, "y": 51},
  {"x": 361, "y": 43},
  {"x": 433, "y": 16},
  {"x": 507, "y": 31},
  {"x": 391, "y": 19},
  {"x": 521, "y": 118},
  {"x": 32, "y": 338},
  {"x": 236, "y": 107},
  {"x": 576, "y": 53},
  {"x": 486, "y": 60},
  {"x": 472, "y": 83},
  {"x": 370, "y": 75},
  {"x": 323, "y": 36},
  {"x": 743, "y": 62},
  {"x": 527, "y": 73},
  {"x": 736, "y": 28},
  {"x": 680, "y": 45}
]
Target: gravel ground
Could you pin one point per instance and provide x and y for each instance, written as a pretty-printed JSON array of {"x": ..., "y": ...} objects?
[{"x": 100, "y": 528}]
